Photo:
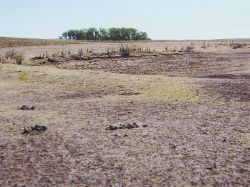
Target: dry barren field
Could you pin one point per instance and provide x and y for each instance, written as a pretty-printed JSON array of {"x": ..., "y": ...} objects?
[{"x": 160, "y": 116}]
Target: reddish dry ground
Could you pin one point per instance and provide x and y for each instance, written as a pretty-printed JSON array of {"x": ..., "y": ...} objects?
[
  {"x": 193, "y": 136},
  {"x": 17, "y": 42}
]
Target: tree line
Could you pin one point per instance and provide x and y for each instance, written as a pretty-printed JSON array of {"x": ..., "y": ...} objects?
[{"x": 105, "y": 34}]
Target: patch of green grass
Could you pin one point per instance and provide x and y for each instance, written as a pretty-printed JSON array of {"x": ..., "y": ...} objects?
[
  {"x": 69, "y": 86},
  {"x": 23, "y": 77},
  {"x": 162, "y": 89},
  {"x": 169, "y": 90},
  {"x": 245, "y": 140}
]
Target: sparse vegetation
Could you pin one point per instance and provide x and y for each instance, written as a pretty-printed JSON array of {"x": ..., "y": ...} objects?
[
  {"x": 19, "y": 58},
  {"x": 125, "y": 51},
  {"x": 80, "y": 52},
  {"x": 12, "y": 57},
  {"x": 237, "y": 45},
  {"x": 45, "y": 55},
  {"x": 169, "y": 50},
  {"x": 204, "y": 45},
  {"x": 187, "y": 49}
]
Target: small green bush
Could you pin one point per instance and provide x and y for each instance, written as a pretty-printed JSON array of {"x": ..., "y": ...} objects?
[{"x": 19, "y": 58}]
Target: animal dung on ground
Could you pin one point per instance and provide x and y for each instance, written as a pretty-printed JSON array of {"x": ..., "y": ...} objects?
[
  {"x": 129, "y": 93},
  {"x": 123, "y": 126},
  {"x": 24, "y": 107},
  {"x": 35, "y": 129}
]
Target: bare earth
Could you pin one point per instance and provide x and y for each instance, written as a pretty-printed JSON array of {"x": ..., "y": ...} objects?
[{"x": 192, "y": 111}]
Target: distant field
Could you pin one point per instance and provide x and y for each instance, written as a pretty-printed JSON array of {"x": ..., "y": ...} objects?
[{"x": 15, "y": 42}]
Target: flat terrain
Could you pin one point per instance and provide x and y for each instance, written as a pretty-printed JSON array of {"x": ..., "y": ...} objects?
[
  {"x": 34, "y": 47},
  {"x": 191, "y": 110}
]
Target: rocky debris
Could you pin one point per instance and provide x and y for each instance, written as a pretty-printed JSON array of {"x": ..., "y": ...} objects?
[
  {"x": 35, "y": 129},
  {"x": 123, "y": 126},
  {"x": 24, "y": 107}
]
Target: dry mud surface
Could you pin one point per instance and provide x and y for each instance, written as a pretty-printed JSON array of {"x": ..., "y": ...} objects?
[{"x": 191, "y": 110}]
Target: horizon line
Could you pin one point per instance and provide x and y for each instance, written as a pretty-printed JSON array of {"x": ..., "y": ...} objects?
[{"x": 199, "y": 39}]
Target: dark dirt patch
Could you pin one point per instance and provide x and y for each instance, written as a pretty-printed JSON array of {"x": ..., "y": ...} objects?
[
  {"x": 192, "y": 64},
  {"x": 236, "y": 90},
  {"x": 184, "y": 64},
  {"x": 129, "y": 93},
  {"x": 123, "y": 126},
  {"x": 229, "y": 76},
  {"x": 179, "y": 64},
  {"x": 35, "y": 129},
  {"x": 58, "y": 60},
  {"x": 81, "y": 94}
]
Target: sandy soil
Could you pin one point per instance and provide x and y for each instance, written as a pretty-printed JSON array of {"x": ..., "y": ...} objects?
[{"x": 192, "y": 112}]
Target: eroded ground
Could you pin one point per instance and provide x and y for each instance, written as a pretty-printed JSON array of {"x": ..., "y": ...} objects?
[{"x": 192, "y": 110}]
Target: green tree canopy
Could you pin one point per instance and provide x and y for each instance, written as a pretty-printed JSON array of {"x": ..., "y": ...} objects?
[{"x": 105, "y": 34}]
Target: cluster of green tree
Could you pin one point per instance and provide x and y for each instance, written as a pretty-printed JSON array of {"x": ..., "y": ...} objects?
[{"x": 105, "y": 34}]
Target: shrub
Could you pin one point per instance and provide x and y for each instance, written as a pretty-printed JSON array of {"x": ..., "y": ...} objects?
[
  {"x": 45, "y": 55},
  {"x": 10, "y": 54},
  {"x": 19, "y": 58},
  {"x": 237, "y": 45},
  {"x": 125, "y": 51},
  {"x": 80, "y": 52},
  {"x": 187, "y": 49},
  {"x": 1, "y": 58},
  {"x": 12, "y": 57}
]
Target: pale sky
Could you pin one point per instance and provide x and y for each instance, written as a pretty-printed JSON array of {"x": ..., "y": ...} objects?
[{"x": 161, "y": 19}]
